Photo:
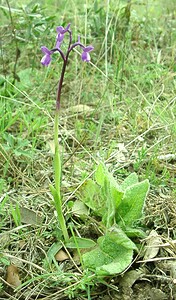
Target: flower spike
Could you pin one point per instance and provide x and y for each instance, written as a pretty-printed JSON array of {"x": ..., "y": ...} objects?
[{"x": 85, "y": 56}]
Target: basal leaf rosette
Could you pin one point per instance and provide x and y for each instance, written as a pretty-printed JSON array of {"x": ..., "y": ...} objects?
[{"x": 112, "y": 255}]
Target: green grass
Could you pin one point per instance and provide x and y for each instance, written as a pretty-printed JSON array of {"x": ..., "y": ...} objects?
[{"x": 127, "y": 122}]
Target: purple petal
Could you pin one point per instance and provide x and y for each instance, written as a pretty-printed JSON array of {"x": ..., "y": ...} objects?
[
  {"x": 60, "y": 37},
  {"x": 68, "y": 26},
  {"x": 45, "y": 50},
  {"x": 58, "y": 43},
  {"x": 85, "y": 56},
  {"x": 60, "y": 29},
  {"x": 46, "y": 59},
  {"x": 88, "y": 48}
]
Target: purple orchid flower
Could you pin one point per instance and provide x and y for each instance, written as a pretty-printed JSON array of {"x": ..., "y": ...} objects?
[
  {"x": 46, "y": 59},
  {"x": 61, "y": 31},
  {"x": 85, "y": 55}
]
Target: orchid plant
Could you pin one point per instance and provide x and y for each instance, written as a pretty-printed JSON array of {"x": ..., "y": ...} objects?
[
  {"x": 120, "y": 206},
  {"x": 46, "y": 60}
]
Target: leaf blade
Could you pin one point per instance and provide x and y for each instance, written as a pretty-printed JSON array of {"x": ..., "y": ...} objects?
[
  {"x": 131, "y": 207},
  {"x": 112, "y": 255}
]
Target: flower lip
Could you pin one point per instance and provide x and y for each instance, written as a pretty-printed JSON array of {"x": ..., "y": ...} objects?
[
  {"x": 85, "y": 54},
  {"x": 46, "y": 59}
]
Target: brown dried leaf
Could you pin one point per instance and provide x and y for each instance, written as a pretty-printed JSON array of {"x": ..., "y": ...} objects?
[
  {"x": 61, "y": 255},
  {"x": 29, "y": 216},
  {"x": 13, "y": 276},
  {"x": 131, "y": 277},
  {"x": 153, "y": 242}
]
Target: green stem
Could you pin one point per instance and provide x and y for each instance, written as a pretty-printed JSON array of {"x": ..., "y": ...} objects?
[
  {"x": 57, "y": 174},
  {"x": 57, "y": 161}
]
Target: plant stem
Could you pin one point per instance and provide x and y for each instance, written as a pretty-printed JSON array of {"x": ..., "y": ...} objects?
[
  {"x": 60, "y": 85},
  {"x": 57, "y": 161},
  {"x": 57, "y": 175}
]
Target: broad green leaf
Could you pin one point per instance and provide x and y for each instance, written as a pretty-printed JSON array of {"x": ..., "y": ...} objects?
[
  {"x": 79, "y": 208},
  {"x": 111, "y": 201},
  {"x": 110, "y": 193},
  {"x": 80, "y": 243},
  {"x": 90, "y": 194},
  {"x": 117, "y": 234},
  {"x": 130, "y": 180},
  {"x": 116, "y": 195},
  {"x": 135, "y": 232},
  {"x": 100, "y": 175},
  {"x": 131, "y": 206},
  {"x": 112, "y": 255}
]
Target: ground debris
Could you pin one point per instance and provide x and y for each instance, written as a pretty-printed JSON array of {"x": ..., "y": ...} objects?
[
  {"x": 153, "y": 242},
  {"x": 13, "y": 276}
]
